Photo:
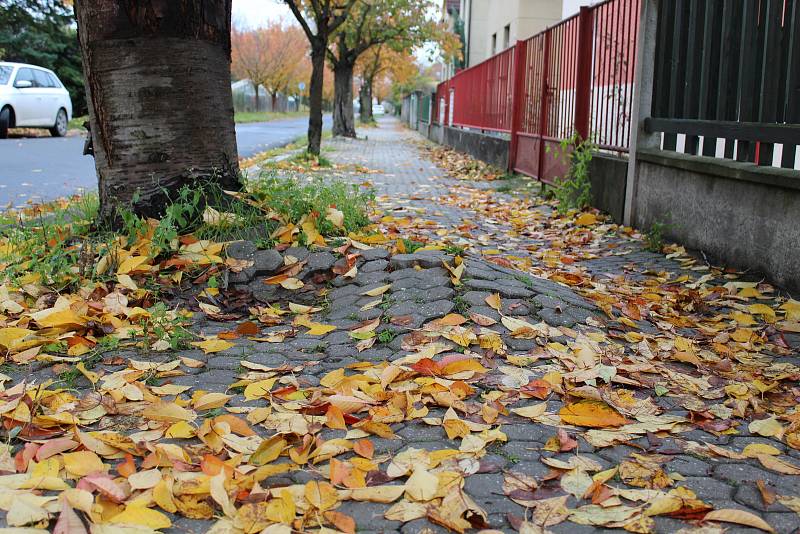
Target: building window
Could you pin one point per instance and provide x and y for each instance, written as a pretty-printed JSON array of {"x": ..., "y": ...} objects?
[
  {"x": 506, "y": 36},
  {"x": 494, "y": 43}
]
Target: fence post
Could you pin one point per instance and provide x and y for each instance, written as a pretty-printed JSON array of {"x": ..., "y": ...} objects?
[
  {"x": 642, "y": 102},
  {"x": 583, "y": 82},
  {"x": 544, "y": 103},
  {"x": 517, "y": 101}
]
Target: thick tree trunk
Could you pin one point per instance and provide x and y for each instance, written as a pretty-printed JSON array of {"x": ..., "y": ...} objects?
[
  {"x": 315, "y": 98},
  {"x": 343, "y": 115},
  {"x": 274, "y": 103},
  {"x": 255, "y": 88},
  {"x": 160, "y": 105},
  {"x": 365, "y": 97}
]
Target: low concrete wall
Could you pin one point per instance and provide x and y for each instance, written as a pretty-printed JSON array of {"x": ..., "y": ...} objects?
[
  {"x": 738, "y": 214},
  {"x": 608, "y": 175},
  {"x": 488, "y": 148}
]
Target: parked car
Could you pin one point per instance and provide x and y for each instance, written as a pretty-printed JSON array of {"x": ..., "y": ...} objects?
[
  {"x": 32, "y": 97},
  {"x": 377, "y": 109}
]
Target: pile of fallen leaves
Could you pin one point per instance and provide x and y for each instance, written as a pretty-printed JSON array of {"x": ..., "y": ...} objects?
[{"x": 459, "y": 165}]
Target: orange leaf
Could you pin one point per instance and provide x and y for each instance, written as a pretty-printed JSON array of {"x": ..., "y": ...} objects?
[
  {"x": 341, "y": 521},
  {"x": 591, "y": 413},
  {"x": 427, "y": 367},
  {"x": 126, "y": 468},
  {"x": 364, "y": 447},
  {"x": 248, "y": 328},
  {"x": 335, "y": 418}
]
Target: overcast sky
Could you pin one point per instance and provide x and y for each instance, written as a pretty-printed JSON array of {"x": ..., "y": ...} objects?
[{"x": 254, "y": 13}]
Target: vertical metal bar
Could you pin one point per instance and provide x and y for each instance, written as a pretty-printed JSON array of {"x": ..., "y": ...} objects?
[
  {"x": 791, "y": 103},
  {"x": 692, "y": 74},
  {"x": 745, "y": 150},
  {"x": 583, "y": 83},
  {"x": 768, "y": 105},
  {"x": 709, "y": 65},
  {"x": 517, "y": 101},
  {"x": 613, "y": 126},
  {"x": 544, "y": 103}
]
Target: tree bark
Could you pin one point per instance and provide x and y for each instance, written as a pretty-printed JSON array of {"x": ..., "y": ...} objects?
[
  {"x": 255, "y": 88},
  {"x": 343, "y": 115},
  {"x": 365, "y": 97},
  {"x": 160, "y": 105},
  {"x": 315, "y": 98}
]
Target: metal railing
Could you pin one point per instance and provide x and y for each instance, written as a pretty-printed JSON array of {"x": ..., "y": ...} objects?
[{"x": 575, "y": 78}]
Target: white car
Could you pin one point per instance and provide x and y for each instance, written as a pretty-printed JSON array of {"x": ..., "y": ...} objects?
[
  {"x": 32, "y": 97},
  {"x": 377, "y": 109}
]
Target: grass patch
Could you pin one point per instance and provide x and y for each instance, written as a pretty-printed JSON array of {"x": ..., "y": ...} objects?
[{"x": 241, "y": 117}]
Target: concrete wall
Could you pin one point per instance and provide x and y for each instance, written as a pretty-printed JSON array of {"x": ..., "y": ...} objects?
[
  {"x": 738, "y": 214},
  {"x": 608, "y": 175},
  {"x": 491, "y": 149}
]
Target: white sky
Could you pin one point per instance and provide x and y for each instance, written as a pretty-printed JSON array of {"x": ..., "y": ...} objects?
[
  {"x": 570, "y": 7},
  {"x": 255, "y": 13}
]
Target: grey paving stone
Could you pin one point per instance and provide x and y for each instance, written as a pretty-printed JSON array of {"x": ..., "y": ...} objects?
[
  {"x": 267, "y": 261},
  {"x": 374, "y": 254},
  {"x": 428, "y": 282},
  {"x": 428, "y": 310},
  {"x": 505, "y": 289},
  {"x": 710, "y": 489},
  {"x": 484, "y": 485},
  {"x": 689, "y": 466},
  {"x": 373, "y": 266}
]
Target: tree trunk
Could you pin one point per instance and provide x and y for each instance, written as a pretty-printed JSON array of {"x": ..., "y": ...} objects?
[
  {"x": 160, "y": 103},
  {"x": 315, "y": 98},
  {"x": 343, "y": 116},
  {"x": 365, "y": 96},
  {"x": 274, "y": 103},
  {"x": 255, "y": 88}
]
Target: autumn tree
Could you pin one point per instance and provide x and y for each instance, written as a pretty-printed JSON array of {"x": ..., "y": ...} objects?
[
  {"x": 375, "y": 69},
  {"x": 160, "y": 105},
  {"x": 271, "y": 56},
  {"x": 319, "y": 20}
]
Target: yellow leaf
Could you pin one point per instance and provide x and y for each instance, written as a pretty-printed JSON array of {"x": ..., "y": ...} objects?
[
  {"x": 586, "y": 219},
  {"x": 292, "y": 283},
  {"x": 209, "y": 401},
  {"x": 754, "y": 450},
  {"x": 740, "y": 517},
  {"x": 59, "y": 319},
  {"x": 321, "y": 495},
  {"x": 127, "y": 282},
  {"x": 764, "y": 310},
  {"x": 766, "y": 427},
  {"x": 493, "y": 301},
  {"x": 169, "y": 412},
  {"x": 213, "y": 345},
  {"x": 131, "y": 263},
  {"x": 10, "y": 336},
  {"x": 778, "y": 465},
  {"x": 260, "y": 389},
  {"x": 591, "y": 413},
  {"x": 139, "y": 515},
  {"x": 422, "y": 485},
  {"x": 82, "y": 463},
  {"x": 145, "y": 479},
  {"x": 181, "y": 429},
  {"x": 377, "y": 291},
  {"x": 531, "y": 412},
  {"x": 320, "y": 329}
]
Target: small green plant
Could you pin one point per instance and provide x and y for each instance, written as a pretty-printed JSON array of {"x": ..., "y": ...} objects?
[
  {"x": 454, "y": 250},
  {"x": 309, "y": 159},
  {"x": 412, "y": 246},
  {"x": 461, "y": 304},
  {"x": 574, "y": 191},
  {"x": 654, "y": 237},
  {"x": 164, "y": 329},
  {"x": 386, "y": 336}
]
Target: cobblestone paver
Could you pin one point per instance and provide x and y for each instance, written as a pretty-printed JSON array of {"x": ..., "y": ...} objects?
[{"x": 420, "y": 291}]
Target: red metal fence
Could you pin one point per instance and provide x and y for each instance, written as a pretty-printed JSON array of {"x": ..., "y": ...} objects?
[{"x": 575, "y": 77}]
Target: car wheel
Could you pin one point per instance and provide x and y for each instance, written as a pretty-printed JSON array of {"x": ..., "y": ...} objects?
[
  {"x": 60, "y": 128},
  {"x": 5, "y": 117}
]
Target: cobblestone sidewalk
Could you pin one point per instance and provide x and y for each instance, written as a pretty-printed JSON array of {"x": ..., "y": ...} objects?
[{"x": 421, "y": 201}]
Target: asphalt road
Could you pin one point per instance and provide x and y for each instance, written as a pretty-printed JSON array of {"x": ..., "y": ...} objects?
[{"x": 45, "y": 168}]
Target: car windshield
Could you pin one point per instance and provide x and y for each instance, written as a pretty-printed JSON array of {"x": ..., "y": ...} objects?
[{"x": 5, "y": 74}]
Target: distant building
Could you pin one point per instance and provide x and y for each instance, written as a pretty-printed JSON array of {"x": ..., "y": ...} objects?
[{"x": 491, "y": 26}]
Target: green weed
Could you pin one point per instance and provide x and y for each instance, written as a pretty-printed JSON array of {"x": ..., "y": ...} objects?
[{"x": 574, "y": 191}]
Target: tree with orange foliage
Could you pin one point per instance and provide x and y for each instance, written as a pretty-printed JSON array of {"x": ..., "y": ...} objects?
[
  {"x": 376, "y": 69},
  {"x": 271, "y": 56}
]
